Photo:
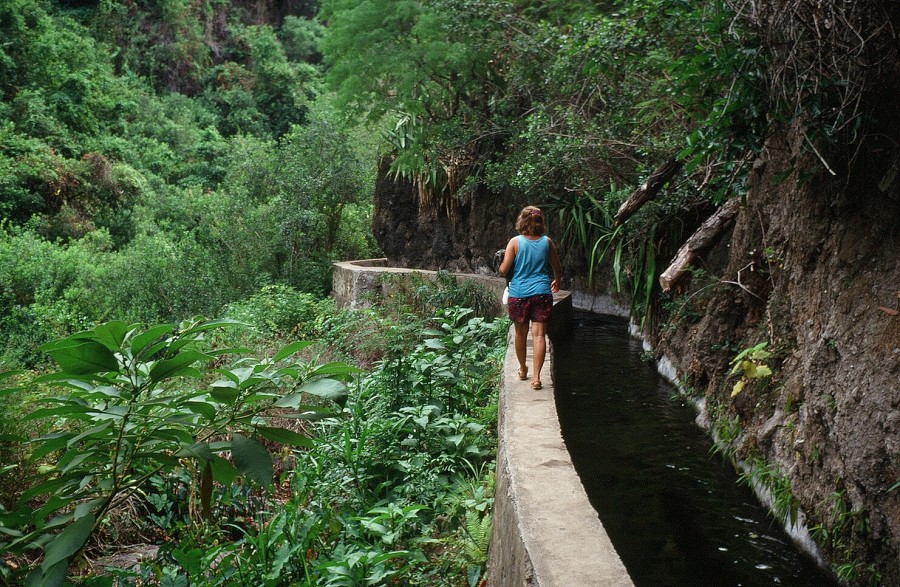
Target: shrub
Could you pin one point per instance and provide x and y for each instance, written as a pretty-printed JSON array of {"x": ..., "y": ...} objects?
[{"x": 127, "y": 413}]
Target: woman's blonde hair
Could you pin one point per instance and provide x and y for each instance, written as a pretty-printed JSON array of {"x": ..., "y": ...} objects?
[{"x": 530, "y": 221}]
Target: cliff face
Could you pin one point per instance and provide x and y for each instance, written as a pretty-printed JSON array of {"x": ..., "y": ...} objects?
[
  {"x": 812, "y": 267},
  {"x": 461, "y": 238}
]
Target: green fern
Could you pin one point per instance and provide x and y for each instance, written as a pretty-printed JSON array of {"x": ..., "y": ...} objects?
[{"x": 478, "y": 536}]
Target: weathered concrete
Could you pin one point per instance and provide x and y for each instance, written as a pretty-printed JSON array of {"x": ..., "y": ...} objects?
[
  {"x": 545, "y": 531},
  {"x": 354, "y": 282}
]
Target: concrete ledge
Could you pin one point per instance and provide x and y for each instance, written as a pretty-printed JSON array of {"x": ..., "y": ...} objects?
[
  {"x": 545, "y": 531},
  {"x": 353, "y": 282}
]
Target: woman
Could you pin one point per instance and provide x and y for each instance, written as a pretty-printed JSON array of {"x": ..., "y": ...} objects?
[{"x": 530, "y": 257}]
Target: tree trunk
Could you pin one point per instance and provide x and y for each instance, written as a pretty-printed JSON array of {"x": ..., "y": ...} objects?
[
  {"x": 648, "y": 190},
  {"x": 704, "y": 238}
]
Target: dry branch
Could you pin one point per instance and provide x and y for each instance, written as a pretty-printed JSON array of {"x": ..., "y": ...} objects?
[
  {"x": 648, "y": 190},
  {"x": 704, "y": 238}
]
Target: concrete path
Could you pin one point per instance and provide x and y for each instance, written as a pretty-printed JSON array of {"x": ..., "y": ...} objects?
[{"x": 546, "y": 533}]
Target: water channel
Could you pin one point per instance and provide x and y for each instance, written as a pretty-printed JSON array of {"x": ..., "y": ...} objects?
[{"x": 675, "y": 511}]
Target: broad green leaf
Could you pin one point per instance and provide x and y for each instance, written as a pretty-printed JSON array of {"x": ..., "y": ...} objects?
[
  {"x": 291, "y": 371},
  {"x": 64, "y": 410},
  {"x": 435, "y": 343},
  {"x": 81, "y": 357},
  {"x": 9, "y": 391},
  {"x": 150, "y": 335},
  {"x": 50, "y": 443},
  {"x": 94, "y": 431},
  {"x": 81, "y": 381},
  {"x": 174, "y": 581},
  {"x": 111, "y": 334},
  {"x": 328, "y": 388},
  {"x": 198, "y": 450},
  {"x": 290, "y": 349},
  {"x": 204, "y": 409},
  {"x": 291, "y": 400},
  {"x": 738, "y": 387},
  {"x": 336, "y": 368},
  {"x": 68, "y": 542},
  {"x": 284, "y": 436},
  {"x": 10, "y": 532},
  {"x": 252, "y": 459},
  {"x": 171, "y": 367},
  {"x": 224, "y": 391},
  {"x": 223, "y": 471},
  {"x": 227, "y": 373},
  {"x": 84, "y": 509},
  {"x": 54, "y": 576},
  {"x": 179, "y": 435},
  {"x": 242, "y": 374},
  {"x": 190, "y": 560},
  {"x": 75, "y": 461}
]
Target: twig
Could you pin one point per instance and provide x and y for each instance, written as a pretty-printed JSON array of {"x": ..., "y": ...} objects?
[{"x": 816, "y": 151}]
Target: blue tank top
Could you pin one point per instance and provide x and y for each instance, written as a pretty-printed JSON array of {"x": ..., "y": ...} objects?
[{"x": 531, "y": 269}]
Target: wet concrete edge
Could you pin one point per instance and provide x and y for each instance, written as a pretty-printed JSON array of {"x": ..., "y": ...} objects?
[{"x": 545, "y": 531}]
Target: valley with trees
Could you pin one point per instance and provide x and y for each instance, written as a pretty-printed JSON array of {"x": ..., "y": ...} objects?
[{"x": 177, "y": 178}]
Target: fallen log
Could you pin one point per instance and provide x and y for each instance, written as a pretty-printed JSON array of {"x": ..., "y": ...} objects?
[
  {"x": 648, "y": 190},
  {"x": 699, "y": 242}
]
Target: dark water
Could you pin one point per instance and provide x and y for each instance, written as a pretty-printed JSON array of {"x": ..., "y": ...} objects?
[{"x": 674, "y": 511}]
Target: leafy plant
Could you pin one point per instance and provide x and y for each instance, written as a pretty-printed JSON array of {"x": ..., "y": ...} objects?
[
  {"x": 128, "y": 413},
  {"x": 750, "y": 364}
]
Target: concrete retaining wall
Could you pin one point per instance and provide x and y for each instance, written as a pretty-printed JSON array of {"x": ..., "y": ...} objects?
[
  {"x": 545, "y": 532},
  {"x": 354, "y": 282}
]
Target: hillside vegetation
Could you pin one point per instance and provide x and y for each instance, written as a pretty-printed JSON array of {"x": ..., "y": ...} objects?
[
  {"x": 728, "y": 168},
  {"x": 159, "y": 160}
]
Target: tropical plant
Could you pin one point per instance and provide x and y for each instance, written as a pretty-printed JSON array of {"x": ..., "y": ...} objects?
[{"x": 130, "y": 411}]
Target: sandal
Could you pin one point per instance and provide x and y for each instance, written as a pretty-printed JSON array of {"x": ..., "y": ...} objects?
[
  {"x": 536, "y": 385},
  {"x": 523, "y": 374}
]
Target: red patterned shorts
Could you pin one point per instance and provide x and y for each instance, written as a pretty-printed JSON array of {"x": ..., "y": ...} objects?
[{"x": 534, "y": 308}]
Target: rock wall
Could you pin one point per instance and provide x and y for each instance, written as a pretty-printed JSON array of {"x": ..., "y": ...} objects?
[
  {"x": 461, "y": 236},
  {"x": 814, "y": 270}
]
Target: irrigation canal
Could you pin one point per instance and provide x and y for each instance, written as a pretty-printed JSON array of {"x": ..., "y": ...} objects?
[{"x": 675, "y": 511}]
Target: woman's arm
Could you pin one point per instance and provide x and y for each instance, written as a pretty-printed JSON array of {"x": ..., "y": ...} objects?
[{"x": 509, "y": 257}]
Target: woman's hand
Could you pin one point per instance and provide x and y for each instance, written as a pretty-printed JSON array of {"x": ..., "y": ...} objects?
[{"x": 554, "y": 286}]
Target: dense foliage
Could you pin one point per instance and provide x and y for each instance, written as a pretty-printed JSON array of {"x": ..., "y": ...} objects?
[
  {"x": 348, "y": 478},
  {"x": 162, "y": 160},
  {"x": 159, "y": 160},
  {"x": 570, "y": 105}
]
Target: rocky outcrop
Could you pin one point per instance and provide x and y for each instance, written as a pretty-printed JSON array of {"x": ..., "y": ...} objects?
[
  {"x": 461, "y": 236},
  {"x": 814, "y": 270}
]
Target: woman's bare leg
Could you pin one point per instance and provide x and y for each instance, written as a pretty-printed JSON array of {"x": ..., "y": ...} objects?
[
  {"x": 520, "y": 344},
  {"x": 538, "y": 348}
]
